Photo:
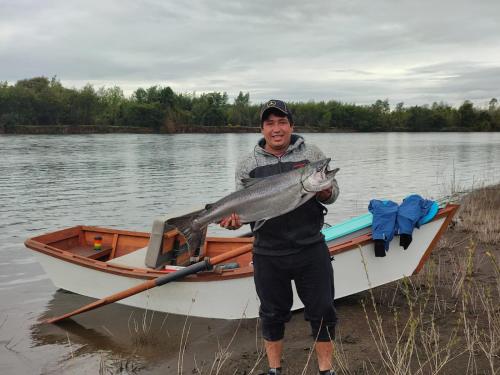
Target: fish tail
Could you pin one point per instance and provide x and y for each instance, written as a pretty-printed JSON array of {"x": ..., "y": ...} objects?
[{"x": 184, "y": 224}]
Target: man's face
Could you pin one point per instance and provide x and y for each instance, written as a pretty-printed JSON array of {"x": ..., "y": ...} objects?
[{"x": 277, "y": 132}]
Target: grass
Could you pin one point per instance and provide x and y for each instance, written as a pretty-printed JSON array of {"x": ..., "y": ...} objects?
[
  {"x": 479, "y": 217},
  {"x": 432, "y": 328},
  {"x": 447, "y": 318}
]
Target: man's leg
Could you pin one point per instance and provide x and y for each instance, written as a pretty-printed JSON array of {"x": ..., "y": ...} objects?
[
  {"x": 314, "y": 282},
  {"x": 324, "y": 352},
  {"x": 273, "y": 286},
  {"x": 274, "y": 349}
]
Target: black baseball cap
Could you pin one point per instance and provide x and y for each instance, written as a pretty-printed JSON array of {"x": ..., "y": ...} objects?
[{"x": 275, "y": 104}]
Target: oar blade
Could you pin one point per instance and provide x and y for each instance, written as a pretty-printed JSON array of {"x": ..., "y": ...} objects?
[
  {"x": 106, "y": 300},
  {"x": 91, "y": 306}
]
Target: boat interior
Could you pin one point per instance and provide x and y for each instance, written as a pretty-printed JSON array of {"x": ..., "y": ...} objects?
[
  {"x": 135, "y": 250},
  {"x": 164, "y": 249}
]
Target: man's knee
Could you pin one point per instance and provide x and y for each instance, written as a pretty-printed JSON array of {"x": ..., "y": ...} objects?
[
  {"x": 273, "y": 323},
  {"x": 323, "y": 331},
  {"x": 273, "y": 331}
]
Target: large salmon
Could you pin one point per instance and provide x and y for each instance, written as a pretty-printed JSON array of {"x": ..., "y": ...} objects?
[{"x": 260, "y": 200}]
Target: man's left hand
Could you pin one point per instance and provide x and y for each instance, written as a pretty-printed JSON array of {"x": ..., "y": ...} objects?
[{"x": 324, "y": 195}]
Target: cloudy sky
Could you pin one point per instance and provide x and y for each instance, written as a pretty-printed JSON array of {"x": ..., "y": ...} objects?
[{"x": 413, "y": 51}]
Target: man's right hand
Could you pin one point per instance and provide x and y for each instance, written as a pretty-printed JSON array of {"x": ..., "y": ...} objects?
[{"x": 232, "y": 222}]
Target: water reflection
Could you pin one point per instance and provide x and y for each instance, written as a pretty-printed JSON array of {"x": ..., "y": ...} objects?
[{"x": 151, "y": 338}]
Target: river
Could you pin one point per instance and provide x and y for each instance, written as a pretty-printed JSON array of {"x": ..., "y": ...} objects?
[{"x": 126, "y": 180}]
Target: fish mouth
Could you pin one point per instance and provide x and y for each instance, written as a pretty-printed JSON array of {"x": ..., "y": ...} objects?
[
  {"x": 327, "y": 175},
  {"x": 323, "y": 164},
  {"x": 322, "y": 167},
  {"x": 318, "y": 168},
  {"x": 318, "y": 178},
  {"x": 331, "y": 173}
]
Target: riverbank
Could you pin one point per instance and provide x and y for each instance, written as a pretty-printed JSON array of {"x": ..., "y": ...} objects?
[
  {"x": 171, "y": 129},
  {"x": 104, "y": 129},
  {"x": 445, "y": 319}
]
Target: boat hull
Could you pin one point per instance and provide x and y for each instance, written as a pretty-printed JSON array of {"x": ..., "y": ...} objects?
[
  {"x": 225, "y": 299},
  {"x": 355, "y": 269}
]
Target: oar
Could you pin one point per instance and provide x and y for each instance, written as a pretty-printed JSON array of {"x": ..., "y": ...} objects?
[{"x": 203, "y": 265}]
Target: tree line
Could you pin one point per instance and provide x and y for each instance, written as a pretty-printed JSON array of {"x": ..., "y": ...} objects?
[{"x": 42, "y": 101}]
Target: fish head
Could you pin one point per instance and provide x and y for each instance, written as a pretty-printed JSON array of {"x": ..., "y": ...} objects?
[{"x": 316, "y": 176}]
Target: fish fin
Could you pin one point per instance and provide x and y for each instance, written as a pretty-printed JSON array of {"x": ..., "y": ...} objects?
[
  {"x": 247, "y": 182},
  {"x": 193, "y": 236},
  {"x": 208, "y": 206},
  {"x": 258, "y": 225}
]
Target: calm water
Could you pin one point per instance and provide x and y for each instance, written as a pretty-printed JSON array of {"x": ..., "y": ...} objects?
[{"x": 52, "y": 182}]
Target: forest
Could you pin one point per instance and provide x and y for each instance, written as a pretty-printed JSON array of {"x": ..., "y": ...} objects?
[{"x": 41, "y": 101}]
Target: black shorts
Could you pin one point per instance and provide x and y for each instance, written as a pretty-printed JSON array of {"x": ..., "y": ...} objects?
[{"x": 312, "y": 272}]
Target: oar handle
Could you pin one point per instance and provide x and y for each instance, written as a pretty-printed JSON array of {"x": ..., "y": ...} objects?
[{"x": 190, "y": 270}]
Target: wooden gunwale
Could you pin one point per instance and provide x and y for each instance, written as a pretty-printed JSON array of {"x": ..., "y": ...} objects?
[
  {"x": 452, "y": 210},
  {"x": 144, "y": 273}
]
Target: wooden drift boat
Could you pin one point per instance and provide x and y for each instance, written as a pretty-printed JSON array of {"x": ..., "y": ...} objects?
[{"x": 226, "y": 292}]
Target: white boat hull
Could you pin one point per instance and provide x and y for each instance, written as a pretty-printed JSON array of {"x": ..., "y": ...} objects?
[{"x": 355, "y": 270}]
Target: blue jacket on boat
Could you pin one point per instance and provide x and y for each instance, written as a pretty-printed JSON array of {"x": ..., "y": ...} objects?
[
  {"x": 384, "y": 220},
  {"x": 413, "y": 208},
  {"x": 389, "y": 219}
]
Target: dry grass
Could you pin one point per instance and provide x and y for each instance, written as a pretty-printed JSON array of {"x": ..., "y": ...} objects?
[
  {"x": 431, "y": 328},
  {"x": 446, "y": 319},
  {"x": 480, "y": 214}
]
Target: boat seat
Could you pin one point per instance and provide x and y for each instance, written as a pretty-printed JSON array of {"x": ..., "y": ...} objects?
[
  {"x": 135, "y": 259},
  {"x": 154, "y": 256},
  {"x": 150, "y": 256}
]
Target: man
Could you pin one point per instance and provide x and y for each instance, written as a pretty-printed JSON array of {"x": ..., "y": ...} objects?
[{"x": 291, "y": 246}]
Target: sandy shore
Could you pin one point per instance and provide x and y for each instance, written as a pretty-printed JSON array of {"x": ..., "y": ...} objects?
[{"x": 445, "y": 320}]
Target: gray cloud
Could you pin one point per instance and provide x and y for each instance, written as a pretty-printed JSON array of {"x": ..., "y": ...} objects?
[{"x": 416, "y": 52}]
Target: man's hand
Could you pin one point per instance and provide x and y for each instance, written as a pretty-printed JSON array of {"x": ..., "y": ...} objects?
[
  {"x": 231, "y": 222},
  {"x": 324, "y": 195}
]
